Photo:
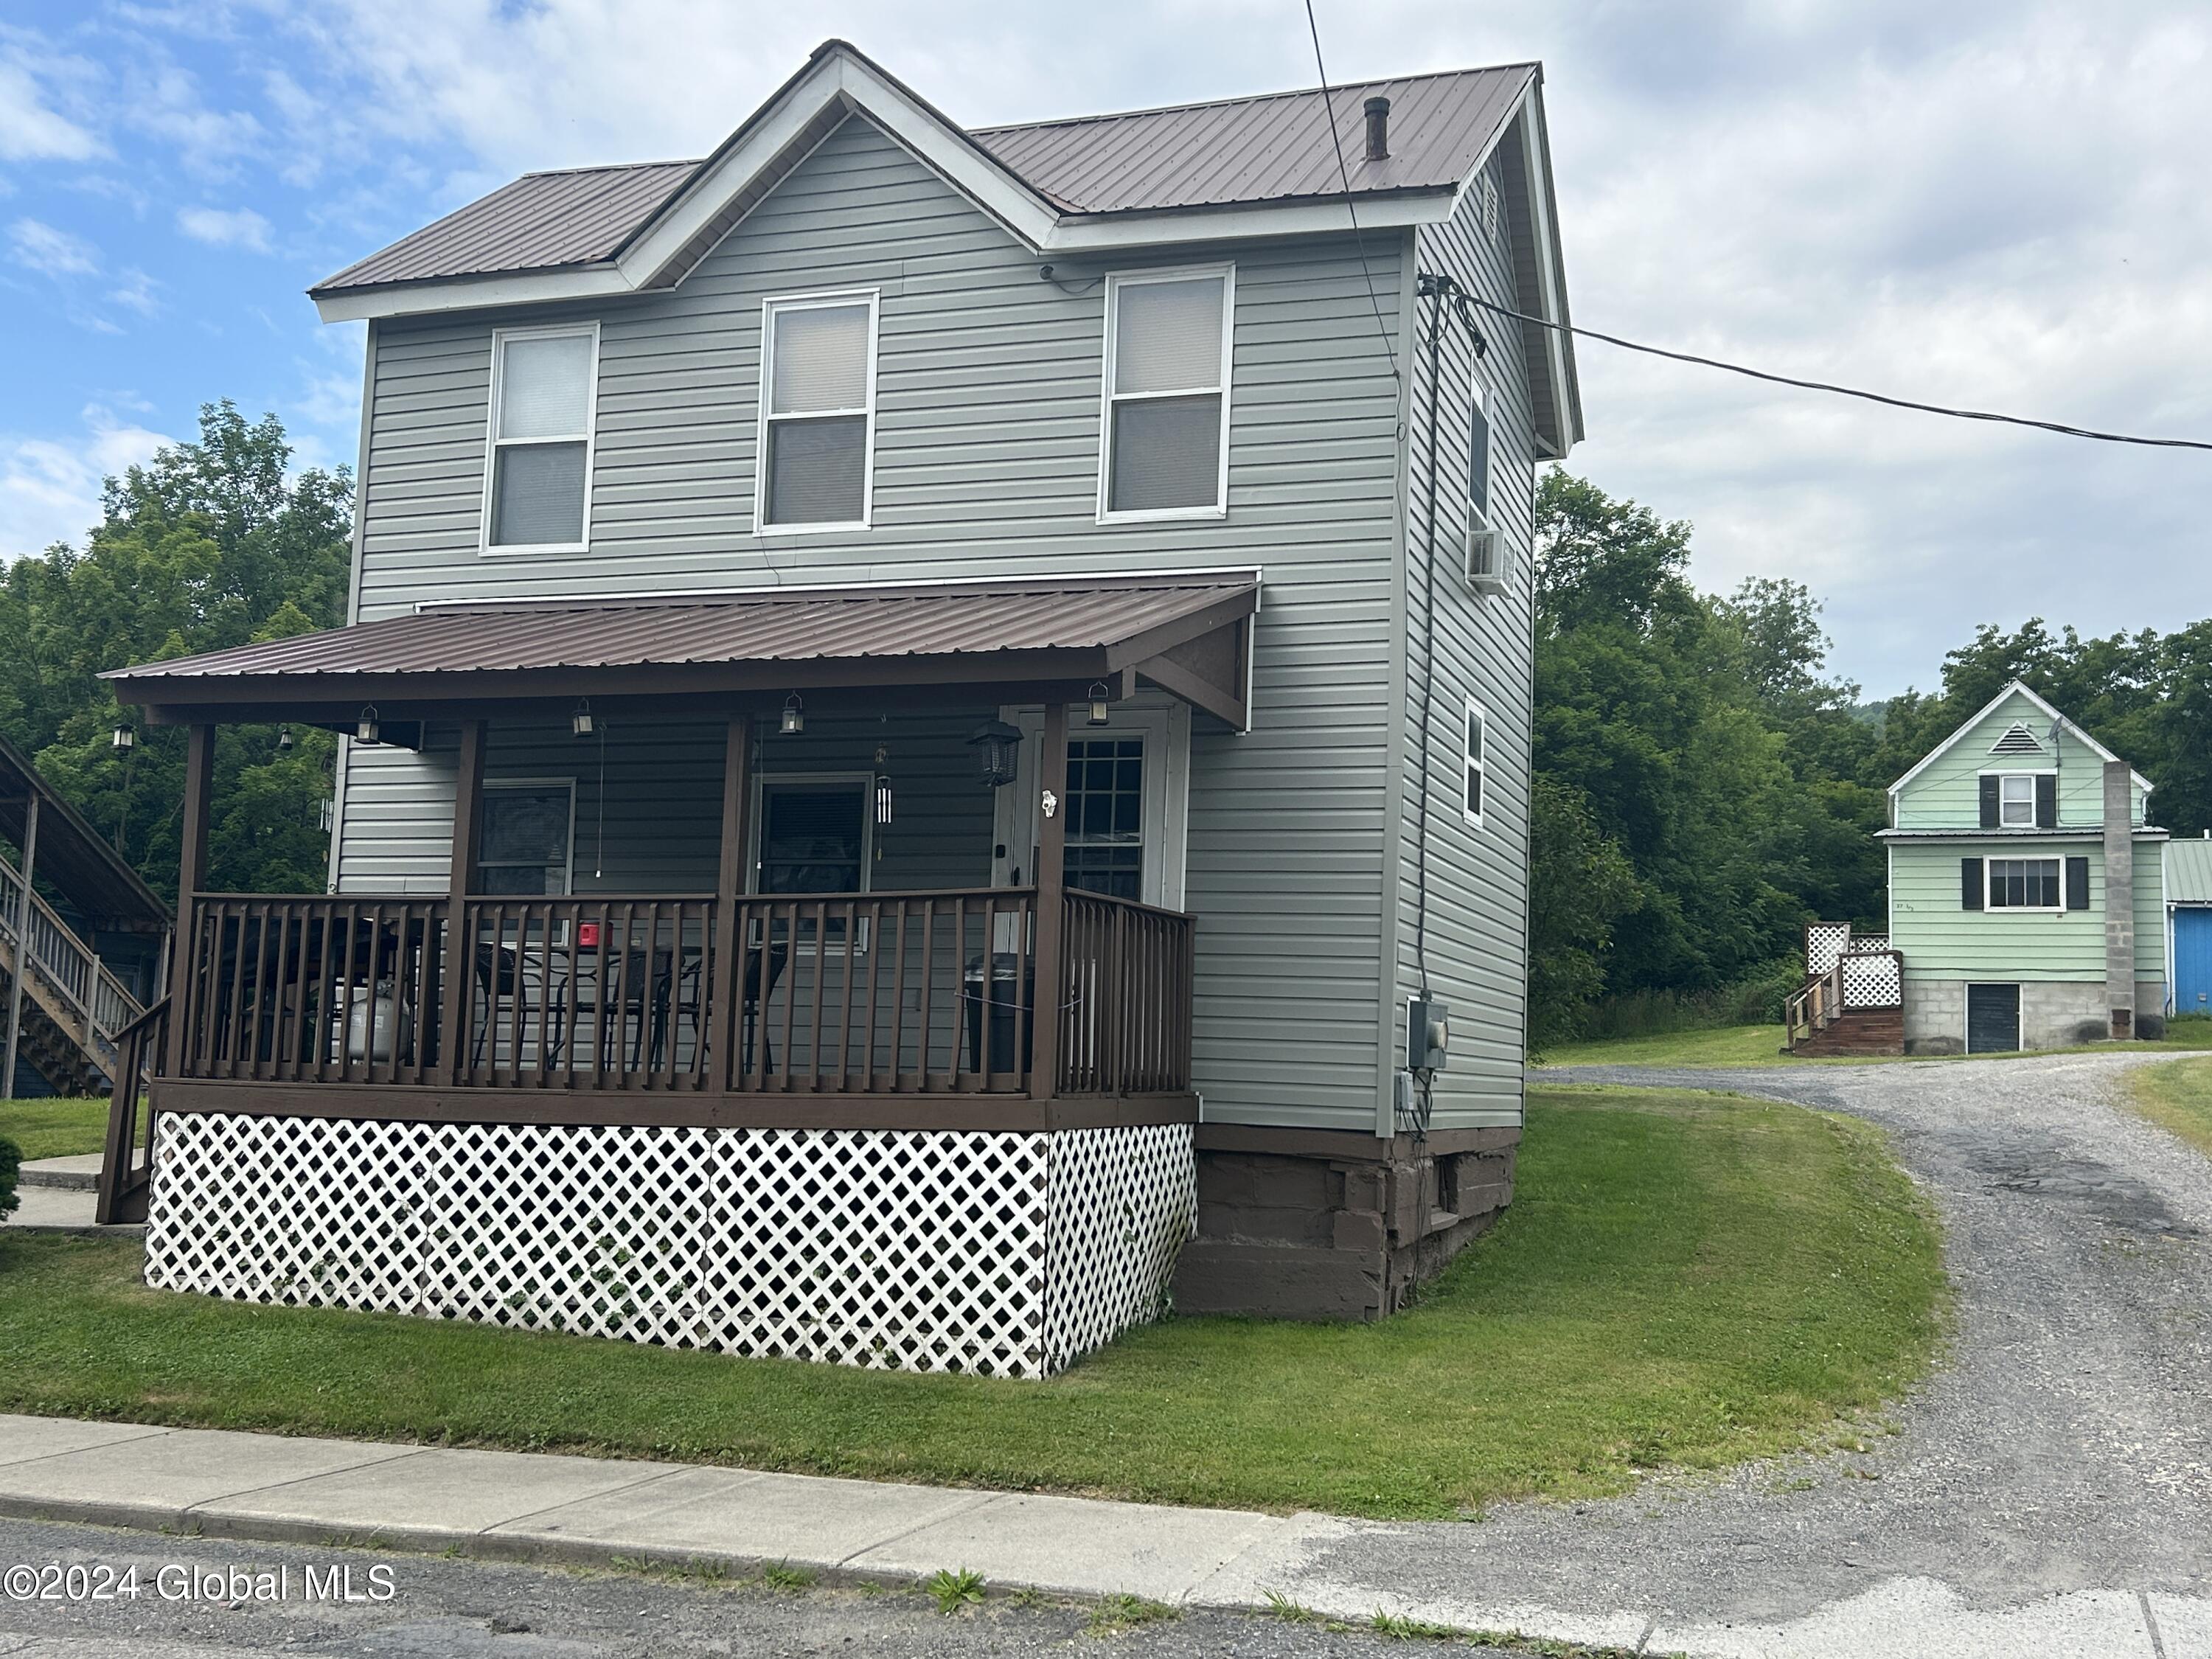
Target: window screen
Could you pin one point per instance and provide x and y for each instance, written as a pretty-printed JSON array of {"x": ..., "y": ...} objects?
[
  {"x": 1106, "y": 815},
  {"x": 1478, "y": 759},
  {"x": 813, "y": 838},
  {"x": 523, "y": 846},
  {"x": 2024, "y": 883},
  {"x": 1165, "y": 393},
  {"x": 541, "y": 440},
  {"x": 817, "y": 415}
]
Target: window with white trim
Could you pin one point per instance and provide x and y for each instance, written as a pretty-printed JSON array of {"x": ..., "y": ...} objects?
[
  {"x": 1478, "y": 452},
  {"x": 538, "y": 482},
  {"x": 1477, "y": 763},
  {"x": 2016, "y": 800},
  {"x": 2024, "y": 884},
  {"x": 817, "y": 412},
  {"x": 1166, "y": 424},
  {"x": 527, "y": 841}
]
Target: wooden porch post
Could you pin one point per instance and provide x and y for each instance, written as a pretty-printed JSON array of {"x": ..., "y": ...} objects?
[
  {"x": 468, "y": 811},
  {"x": 191, "y": 877},
  {"x": 728, "y": 968},
  {"x": 23, "y": 943},
  {"x": 1051, "y": 873}
]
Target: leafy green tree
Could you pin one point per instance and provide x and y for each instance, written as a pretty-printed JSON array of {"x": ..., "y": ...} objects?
[
  {"x": 1580, "y": 885},
  {"x": 211, "y": 543}
]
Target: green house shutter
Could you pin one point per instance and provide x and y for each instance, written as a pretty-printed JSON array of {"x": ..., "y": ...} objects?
[
  {"x": 2077, "y": 883},
  {"x": 1970, "y": 882},
  {"x": 2046, "y": 800},
  {"x": 1988, "y": 801}
]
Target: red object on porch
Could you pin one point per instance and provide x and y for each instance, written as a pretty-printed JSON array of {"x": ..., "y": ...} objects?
[{"x": 587, "y": 935}]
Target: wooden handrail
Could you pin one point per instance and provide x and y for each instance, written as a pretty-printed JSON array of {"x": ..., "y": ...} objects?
[
  {"x": 125, "y": 1180},
  {"x": 64, "y": 960}
]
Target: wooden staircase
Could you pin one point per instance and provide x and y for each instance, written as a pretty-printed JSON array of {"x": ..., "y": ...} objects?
[
  {"x": 1853, "y": 999},
  {"x": 72, "y": 1006}
]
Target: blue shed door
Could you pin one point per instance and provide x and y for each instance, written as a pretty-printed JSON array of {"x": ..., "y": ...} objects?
[{"x": 2192, "y": 960}]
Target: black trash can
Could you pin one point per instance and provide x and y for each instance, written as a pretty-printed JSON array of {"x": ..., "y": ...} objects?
[{"x": 1011, "y": 990}]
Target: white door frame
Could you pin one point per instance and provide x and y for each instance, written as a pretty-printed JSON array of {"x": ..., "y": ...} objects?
[{"x": 1163, "y": 722}]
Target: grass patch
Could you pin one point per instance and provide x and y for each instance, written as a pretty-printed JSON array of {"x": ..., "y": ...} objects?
[
  {"x": 54, "y": 1128},
  {"x": 1761, "y": 1045},
  {"x": 1686, "y": 1280},
  {"x": 2177, "y": 1097}
]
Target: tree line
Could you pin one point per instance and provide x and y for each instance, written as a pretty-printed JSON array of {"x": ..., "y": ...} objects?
[{"x": 1704, "y": 786}]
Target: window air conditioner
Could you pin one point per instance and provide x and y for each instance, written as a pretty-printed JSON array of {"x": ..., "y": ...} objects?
[{"x": 1486, "y": 557}]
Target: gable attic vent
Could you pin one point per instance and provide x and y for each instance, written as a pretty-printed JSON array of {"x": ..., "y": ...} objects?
[{"x": 2018, "y": 741}]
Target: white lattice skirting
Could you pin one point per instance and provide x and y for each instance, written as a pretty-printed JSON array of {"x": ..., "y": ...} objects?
[{"x": 1005, "y": 1255}]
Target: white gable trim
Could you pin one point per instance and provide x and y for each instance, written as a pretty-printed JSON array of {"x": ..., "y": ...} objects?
[
  {"x": 2024, "y": 689},
  {"x": 1551, "y": 288}
]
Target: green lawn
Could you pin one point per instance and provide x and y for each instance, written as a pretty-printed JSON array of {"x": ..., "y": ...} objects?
[
  {"x": 1761, "y": 1045},
  {"x": 1686, "y": 1278},
  {"x": 2177, "y": 1097},
  {"x": 54, "y": 1128}
]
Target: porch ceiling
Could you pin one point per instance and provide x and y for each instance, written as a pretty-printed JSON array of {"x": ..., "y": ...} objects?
[{"x": 1188, "y": 633}]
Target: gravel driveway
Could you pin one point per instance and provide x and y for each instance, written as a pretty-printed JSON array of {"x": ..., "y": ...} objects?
[{"x": 2067, "y": 1445}]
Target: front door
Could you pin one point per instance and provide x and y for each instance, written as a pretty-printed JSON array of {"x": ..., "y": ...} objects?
[
  {"x": 2192, "y": 960},
  {"x": 1992, "y": 1019},
  {"x": 1126, "y": 786}
]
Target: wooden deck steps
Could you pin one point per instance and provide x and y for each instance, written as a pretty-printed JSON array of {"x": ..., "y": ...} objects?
[
  {"x": 56, "y": 1043},
  {"x": 1856, "y": 1032}
]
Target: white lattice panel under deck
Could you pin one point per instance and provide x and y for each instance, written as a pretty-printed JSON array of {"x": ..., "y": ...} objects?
[
  {"x": 1007, "y": 1254},
  {"x": 1873, "y": 980},
  {"x": 1824, "y": 942}
]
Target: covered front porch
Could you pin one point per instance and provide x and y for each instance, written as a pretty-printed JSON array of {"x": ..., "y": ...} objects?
[{"x": 748, "y": 873}]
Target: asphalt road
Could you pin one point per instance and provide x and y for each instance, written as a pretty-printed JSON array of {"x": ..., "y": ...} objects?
[
  {"x": 2065, "y": 1447},
  {"x": 450, "y": 1608}
]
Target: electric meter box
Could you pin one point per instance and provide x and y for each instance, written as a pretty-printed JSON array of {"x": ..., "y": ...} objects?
[{"x": 1428, "y": 1033}]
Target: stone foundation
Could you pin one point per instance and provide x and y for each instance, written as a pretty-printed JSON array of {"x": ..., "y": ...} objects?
[
  {"x": 2053, "y": 1013},
  {"x": 1327, "y": 1225}
]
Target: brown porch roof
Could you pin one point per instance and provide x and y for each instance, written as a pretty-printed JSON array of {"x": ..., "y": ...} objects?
[{"x": 956, "y": 633}]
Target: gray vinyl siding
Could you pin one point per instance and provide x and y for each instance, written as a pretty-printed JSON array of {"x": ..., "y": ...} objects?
[
  {"x": 987, "y": 458},
  {"x": 1477, "y": 935}
]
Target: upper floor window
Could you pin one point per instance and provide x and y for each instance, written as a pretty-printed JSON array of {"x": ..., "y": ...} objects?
[
  {"x": 2019, "y": 800},
  {"x": 817, "y": 412},
  {"x": 1478, "y": 452},
  {"x": 538, "y": 483},
  {"x": 1478, "y": 760},
  {"x": 2016, "y": 801},
  {"x": 1168, "y": 337}
]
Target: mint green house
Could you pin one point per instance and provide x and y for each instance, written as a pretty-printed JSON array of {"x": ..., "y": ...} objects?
[{"x": 2026, "y": 897}]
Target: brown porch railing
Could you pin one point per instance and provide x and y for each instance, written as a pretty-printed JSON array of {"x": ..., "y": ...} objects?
[
  {"x": 126, "y": 1168},
  {"x": 295, "y": 989},
  {"x": 1125, "y": 998},
  {"x": 887, "y": 993}
]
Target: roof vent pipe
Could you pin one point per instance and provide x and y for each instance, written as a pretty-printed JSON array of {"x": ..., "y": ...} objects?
[{"x": 1378, "y": 129}]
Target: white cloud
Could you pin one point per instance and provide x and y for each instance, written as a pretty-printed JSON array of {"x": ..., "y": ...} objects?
[
  {"x": 136, "y": 291},
  {"x": 41, "y": 247},
  {"x": 31, "y": 130},
  {"x": 50, "y": 487},
  {"x": 225, "y": 227}
]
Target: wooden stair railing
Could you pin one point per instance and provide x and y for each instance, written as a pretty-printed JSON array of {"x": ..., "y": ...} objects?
[
  {"x": 126, "y": 1171},
  {"x": 82, "y": 999}
]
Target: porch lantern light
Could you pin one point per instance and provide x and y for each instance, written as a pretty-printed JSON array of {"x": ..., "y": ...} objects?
[
  {"x": 581, "y": 721},
  {"x": 999, "y": 747},
  {"x": 283, "y": 739},
  {"x": 126, "y": 738},
  {"x": 368, "y": 729},
  {"x": 795, "y": 715},
  {"x": 1098, "y": 695}
]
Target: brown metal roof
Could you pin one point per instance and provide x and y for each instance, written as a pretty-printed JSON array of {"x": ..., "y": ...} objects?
[
  {"x": 72, "y": 855},
  {"x": 847, "y": 636},
  {"x": 1273, "y": 147}
]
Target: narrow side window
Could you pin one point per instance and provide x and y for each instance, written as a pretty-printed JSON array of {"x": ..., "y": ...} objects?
[
  {"x": 539, "y": 490},
  {"x": 1167, "y": 394},
  {"x": 818, "y": 411},
  {"x": 1477, "y": 725}
]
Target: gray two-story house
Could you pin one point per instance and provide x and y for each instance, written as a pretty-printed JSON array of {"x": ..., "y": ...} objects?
[{"x": 937, "y": 740}]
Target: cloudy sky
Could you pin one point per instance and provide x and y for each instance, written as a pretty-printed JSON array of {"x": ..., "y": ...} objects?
[{"x": 1990, "y": 203}]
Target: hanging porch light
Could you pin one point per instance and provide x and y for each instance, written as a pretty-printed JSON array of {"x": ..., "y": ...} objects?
[
  {"x": 998, "y": 748},
  {"x": 795, "y": 715},
  {"x": 368, "y": 729},
  {"x": 283, "y": 739},
  {"x": 125, "y": 736},
  {"x": 1099, "y": 693},
  {"x": 581, "y": 721}
]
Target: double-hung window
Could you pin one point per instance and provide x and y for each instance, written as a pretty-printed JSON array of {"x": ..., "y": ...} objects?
[
  {"x": 1478, "y": 761},
  {"x": 537, "y": 488},
  {"x": 1478, "y": 454},
  {"x": 1167, "y": 335},
  {"x": 817, "y": 412},
  {"x": 2024, "y": 884},
  {"x": 2016, "y": 800}
]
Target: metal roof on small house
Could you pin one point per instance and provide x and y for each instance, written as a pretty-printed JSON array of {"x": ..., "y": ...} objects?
[{"x": 2189, "y": 871}]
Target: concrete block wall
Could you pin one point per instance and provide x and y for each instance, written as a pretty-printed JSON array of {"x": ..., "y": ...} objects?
[{"x": 2053, "y": 1013}]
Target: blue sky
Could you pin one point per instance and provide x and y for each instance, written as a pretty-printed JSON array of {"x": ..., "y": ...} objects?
[{"x": 1992, "y": 202}]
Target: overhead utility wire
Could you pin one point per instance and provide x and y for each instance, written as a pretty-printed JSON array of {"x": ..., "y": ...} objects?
[
  {"x": 1344, "y": 172},
  {"x": 2059, "y": 426}
]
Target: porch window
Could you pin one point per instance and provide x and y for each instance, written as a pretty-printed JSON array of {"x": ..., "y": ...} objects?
[
  {"x": 814, "y": 838},
  {"x": 1105, "y": 810},
  {"x": 818, "y": 411},
  {"x": 1167, "y": 394},
  {"x": 2016, "y": 800},
  {"x": 529, "y": 831},
  {"x": 537, "y": 488},
  {"x": 1478, "y": 761},
  {"x": 2024, "y": 884}
]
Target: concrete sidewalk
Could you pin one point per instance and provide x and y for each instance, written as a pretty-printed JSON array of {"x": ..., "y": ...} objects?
[{"x": 601, "y": 1512}]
